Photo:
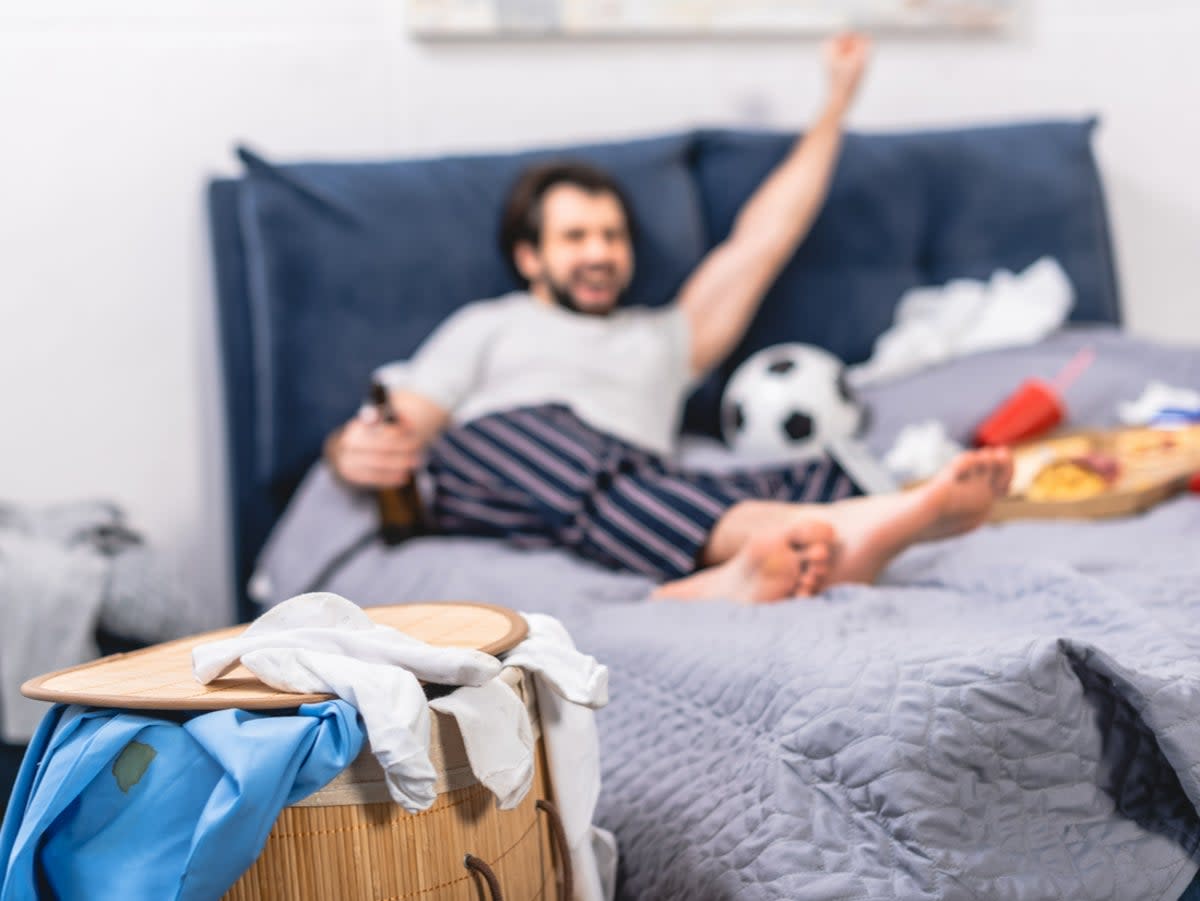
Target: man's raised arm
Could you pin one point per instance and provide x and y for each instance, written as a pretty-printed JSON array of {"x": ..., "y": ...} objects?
[{"x": 722, "y": 295}]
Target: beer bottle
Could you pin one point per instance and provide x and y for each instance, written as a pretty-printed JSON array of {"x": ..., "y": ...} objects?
[{"x": 399, "y": 508}]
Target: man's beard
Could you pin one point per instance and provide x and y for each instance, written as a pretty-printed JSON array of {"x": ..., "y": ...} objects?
[{"x": 566, "y": 299}]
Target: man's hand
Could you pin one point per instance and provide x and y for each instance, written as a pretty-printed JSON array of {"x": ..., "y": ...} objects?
[
  {"x": 370, "y": 453},
  {"x": 846, "y": 59}
]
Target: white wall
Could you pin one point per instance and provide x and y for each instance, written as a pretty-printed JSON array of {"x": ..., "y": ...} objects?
[{"x": 111, "y": 123}]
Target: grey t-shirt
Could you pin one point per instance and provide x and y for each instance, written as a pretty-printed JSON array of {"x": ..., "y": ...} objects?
[{"x": 626, "y": 374}]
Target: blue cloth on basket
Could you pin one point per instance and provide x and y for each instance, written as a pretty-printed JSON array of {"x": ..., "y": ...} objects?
[{"x": 115, "y": 805}]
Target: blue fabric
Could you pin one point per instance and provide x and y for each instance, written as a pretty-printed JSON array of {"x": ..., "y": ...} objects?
[
  {"x": 116, "y": 805},
  {"x": 352, "y": 265},
  {"x": 907, "y": 210}
]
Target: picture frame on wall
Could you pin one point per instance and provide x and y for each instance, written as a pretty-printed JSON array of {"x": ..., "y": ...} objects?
[{"x": 714, "y": 18}]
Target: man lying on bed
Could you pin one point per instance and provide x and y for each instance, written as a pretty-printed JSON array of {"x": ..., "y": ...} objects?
[{"x": 548, "y": 416}]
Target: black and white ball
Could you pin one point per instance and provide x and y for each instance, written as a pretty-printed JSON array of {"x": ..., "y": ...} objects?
[{"x": 789, "y": 401}]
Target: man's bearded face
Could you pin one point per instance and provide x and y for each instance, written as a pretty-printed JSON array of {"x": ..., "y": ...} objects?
[{"x": 585, "y": 260}]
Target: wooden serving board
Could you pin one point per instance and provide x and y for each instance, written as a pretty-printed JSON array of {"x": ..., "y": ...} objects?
[
  {"x": 160, "y": 677},
  {"x": 1154, "y": 465}
]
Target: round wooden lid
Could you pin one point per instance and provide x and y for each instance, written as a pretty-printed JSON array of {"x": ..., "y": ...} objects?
[{"x": 160, "y": 677}]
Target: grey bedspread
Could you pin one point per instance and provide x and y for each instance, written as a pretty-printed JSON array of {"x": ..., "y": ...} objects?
[{"x": 1010, "y": 714}]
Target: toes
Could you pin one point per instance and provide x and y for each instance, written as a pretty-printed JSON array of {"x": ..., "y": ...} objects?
[
  {"x": 816, "y": 552},
  {"x": 960, "y": 466},
  {"x": 794, "y": 563},
  {"x": 990, "y": 465},
  {"x": 999, "y": 481},
  {"x": 815, "y": 565},
  {"x": 806, "y": 584},
  {"x": 818, "y": 578},
  {"x": 1006, "y": 470},
  {"x": 999, "y": 470},
  {"x": 970, "y": 465}
]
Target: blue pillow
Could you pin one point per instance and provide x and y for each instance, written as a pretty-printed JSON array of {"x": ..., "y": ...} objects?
[
  {"x": 353, "y": 264},
  {"x": 907, "y": 210}
]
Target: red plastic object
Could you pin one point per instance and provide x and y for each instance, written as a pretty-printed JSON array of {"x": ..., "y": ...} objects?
[
  {"x": 1194, "y": 484},
  {"x": 1033, "y": 409}
]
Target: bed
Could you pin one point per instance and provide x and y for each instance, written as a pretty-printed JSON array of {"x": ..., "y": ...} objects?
[{"x": 1011, "y": 714}]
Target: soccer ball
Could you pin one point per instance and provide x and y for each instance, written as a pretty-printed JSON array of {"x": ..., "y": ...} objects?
[{"x": 789, "y": 401}]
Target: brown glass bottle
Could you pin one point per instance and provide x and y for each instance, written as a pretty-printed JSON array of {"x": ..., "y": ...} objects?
[{"x": 399, "y": 508}]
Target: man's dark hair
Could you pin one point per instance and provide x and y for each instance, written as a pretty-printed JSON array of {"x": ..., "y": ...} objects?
[{"x": 522, "y": 218}]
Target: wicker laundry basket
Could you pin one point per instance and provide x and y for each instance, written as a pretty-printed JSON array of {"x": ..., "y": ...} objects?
[{"x": 349, "y": 841}]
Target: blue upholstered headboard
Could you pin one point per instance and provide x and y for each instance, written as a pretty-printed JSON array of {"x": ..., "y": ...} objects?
[{"x": 326, "y": 270}]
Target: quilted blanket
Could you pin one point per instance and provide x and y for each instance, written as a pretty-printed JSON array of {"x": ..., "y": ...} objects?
[{"x": 1010, "y": 714}]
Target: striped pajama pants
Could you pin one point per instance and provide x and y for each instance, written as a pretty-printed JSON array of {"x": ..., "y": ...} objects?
[{"x": 541, "y": 477}]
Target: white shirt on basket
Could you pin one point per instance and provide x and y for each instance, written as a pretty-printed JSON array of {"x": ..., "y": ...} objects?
[{"x": 626, "y": 374}]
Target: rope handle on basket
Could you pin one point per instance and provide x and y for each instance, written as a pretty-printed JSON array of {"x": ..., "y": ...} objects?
[
  {"x": 566, "y": 889},
  {"x": 475, "y": 865}
]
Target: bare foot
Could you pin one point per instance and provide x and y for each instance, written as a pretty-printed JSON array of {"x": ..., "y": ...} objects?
[
  {"x": 789, "y": 561},
  {"x": 956, "y": 500},
  {"x": 960, "y": 497}
]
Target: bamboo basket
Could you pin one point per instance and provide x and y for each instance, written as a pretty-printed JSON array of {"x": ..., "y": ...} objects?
[{"x": 350, "y": 842}]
